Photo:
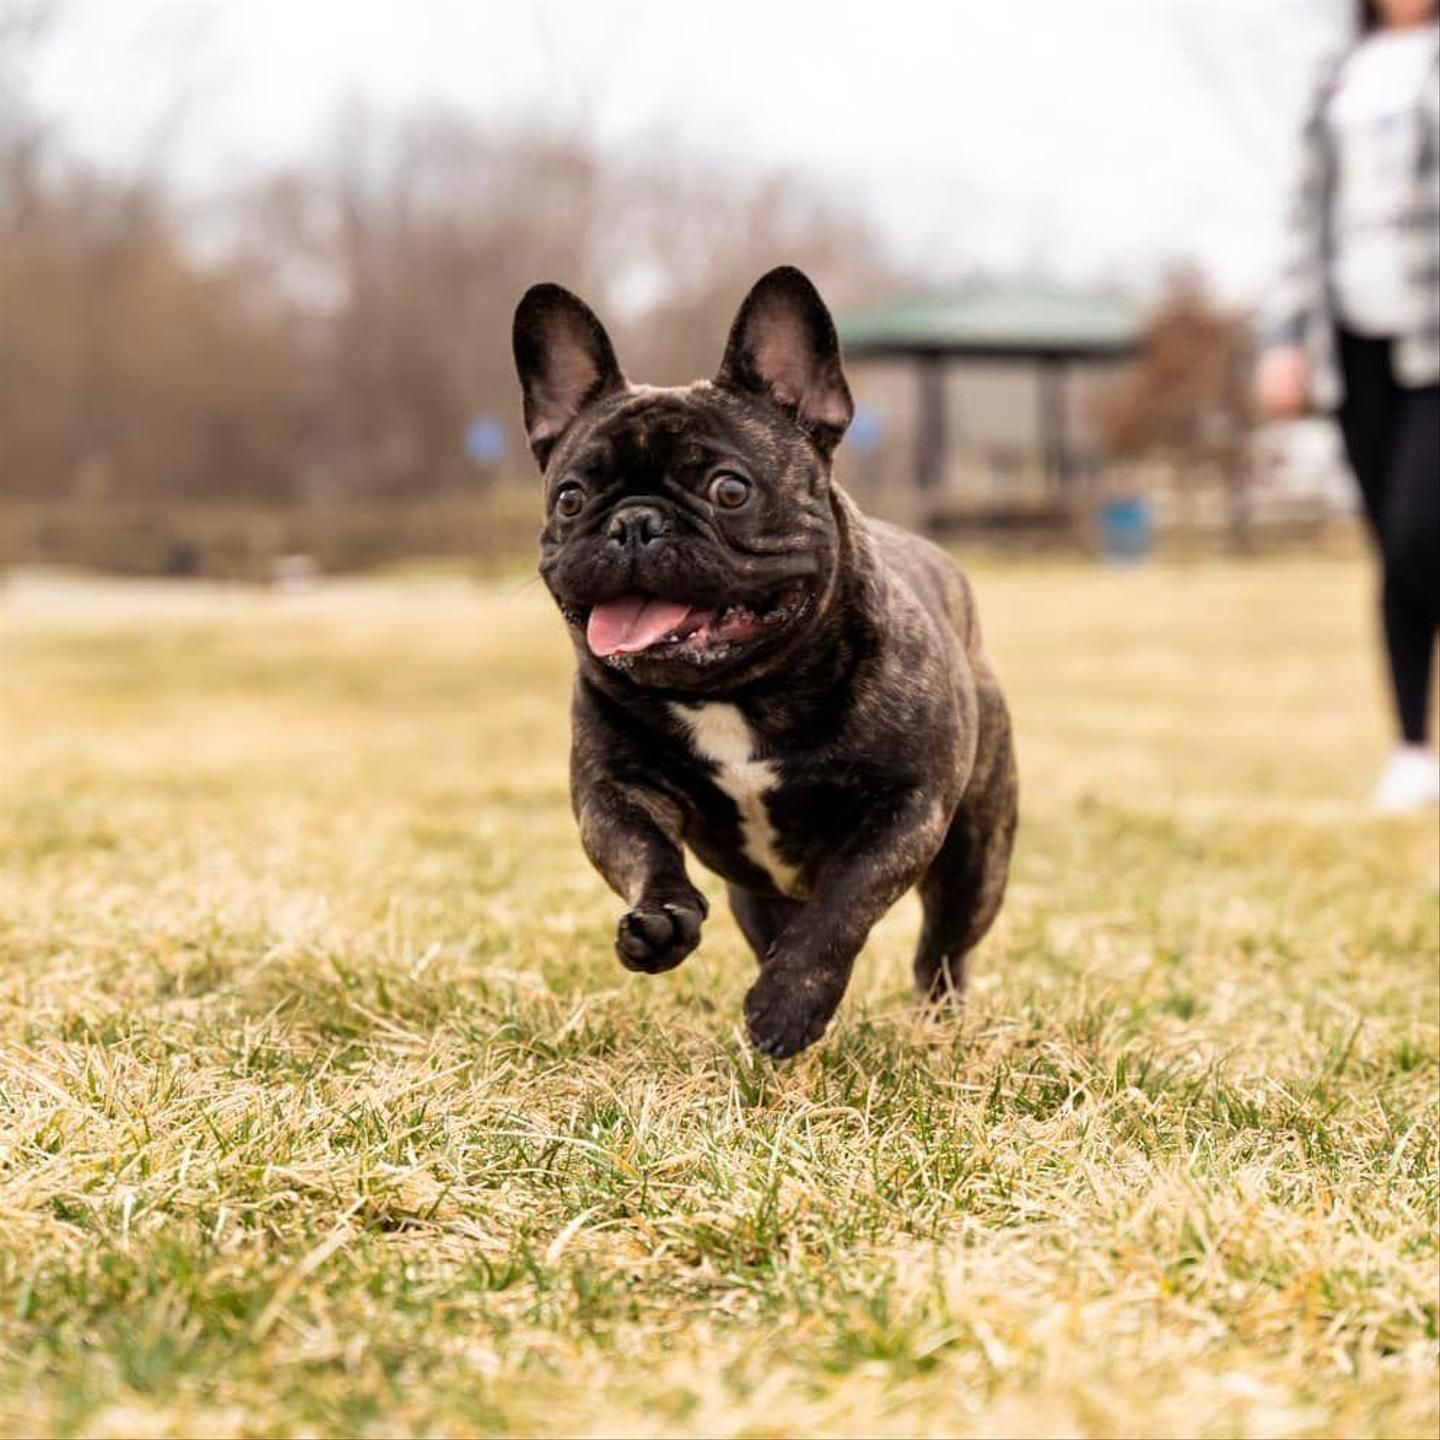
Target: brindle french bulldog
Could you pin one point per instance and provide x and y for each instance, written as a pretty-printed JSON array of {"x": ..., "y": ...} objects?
[{"x": 795, "y": 692}]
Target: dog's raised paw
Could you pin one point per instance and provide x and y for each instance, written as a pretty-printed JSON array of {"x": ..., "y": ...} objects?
[{"x": 656, "y": 937}]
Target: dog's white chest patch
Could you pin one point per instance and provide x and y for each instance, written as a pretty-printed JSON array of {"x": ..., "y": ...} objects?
[{"x": 719, "y": 734}]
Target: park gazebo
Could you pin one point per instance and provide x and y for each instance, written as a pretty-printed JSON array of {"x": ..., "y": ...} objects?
[{"x": 1048, "y": 327}]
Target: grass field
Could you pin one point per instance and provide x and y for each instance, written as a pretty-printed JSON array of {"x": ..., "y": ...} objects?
[{"x": 325, "y": 1110}]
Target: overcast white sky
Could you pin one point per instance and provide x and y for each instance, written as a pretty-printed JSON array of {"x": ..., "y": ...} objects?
[{"x": 1094, "y": 138}]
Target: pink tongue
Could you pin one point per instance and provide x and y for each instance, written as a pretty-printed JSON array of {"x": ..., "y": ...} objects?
[{"x": 632, "y": 622}]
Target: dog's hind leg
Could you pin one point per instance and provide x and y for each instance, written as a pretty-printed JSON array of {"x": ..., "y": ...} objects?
[
  {"x": 761, "y": 918},
  {"x": 961, "y": 892}
]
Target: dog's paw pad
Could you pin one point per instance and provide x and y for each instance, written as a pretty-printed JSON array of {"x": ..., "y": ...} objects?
[{"x": 653, "y": 938}]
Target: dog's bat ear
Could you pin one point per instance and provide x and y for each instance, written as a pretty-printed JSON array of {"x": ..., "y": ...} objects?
[
  {"x": 783, "y": 346},
  {"x": 565, "y": 361}
]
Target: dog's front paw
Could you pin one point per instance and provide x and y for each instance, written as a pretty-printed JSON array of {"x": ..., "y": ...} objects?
[
  {"x": 787, "y": 1011},
  {"x": 658, "y": 934}
]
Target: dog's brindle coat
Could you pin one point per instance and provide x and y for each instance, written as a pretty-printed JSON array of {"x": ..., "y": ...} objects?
[{"x": 852, "y": 743}]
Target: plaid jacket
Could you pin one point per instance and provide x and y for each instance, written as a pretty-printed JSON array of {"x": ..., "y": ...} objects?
[{"x": 1300, "y": 311}]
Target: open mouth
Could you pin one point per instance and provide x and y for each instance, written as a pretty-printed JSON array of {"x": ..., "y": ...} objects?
[{"x": 639, "y": 624}]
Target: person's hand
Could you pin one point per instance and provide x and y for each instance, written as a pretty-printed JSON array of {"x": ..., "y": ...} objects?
[{"x": 1282, "y": 382}]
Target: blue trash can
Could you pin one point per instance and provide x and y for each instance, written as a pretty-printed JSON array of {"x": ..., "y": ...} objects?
[{"x": 1127, "y": 530}]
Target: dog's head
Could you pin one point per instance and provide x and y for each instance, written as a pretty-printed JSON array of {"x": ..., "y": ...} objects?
[{"x": 689, "y": 533}]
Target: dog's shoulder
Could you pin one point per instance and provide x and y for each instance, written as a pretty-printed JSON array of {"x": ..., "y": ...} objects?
[{"x": 932, "y": 575}]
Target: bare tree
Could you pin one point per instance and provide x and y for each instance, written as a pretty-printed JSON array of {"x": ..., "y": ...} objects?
[{"x": 1187, "y": 401}]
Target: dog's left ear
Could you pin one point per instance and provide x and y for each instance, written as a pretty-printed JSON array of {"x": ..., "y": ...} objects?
[
  {"x": 783, "y": 346},
  {"x": 565, "y": 362}
]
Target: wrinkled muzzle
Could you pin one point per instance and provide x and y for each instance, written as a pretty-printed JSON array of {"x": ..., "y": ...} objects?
[{"x": 643, "y": 585}]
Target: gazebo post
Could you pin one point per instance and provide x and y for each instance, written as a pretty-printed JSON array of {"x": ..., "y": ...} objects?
[
  {"x": 930, "y": 429},
  {"x": 1054, "y": 441}
]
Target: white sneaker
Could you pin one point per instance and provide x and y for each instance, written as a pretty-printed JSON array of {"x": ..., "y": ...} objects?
[{"x": 1409, "y": 781}]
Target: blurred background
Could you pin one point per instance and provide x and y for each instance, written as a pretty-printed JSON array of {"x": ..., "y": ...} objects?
[{"x": 258, "y": 262}]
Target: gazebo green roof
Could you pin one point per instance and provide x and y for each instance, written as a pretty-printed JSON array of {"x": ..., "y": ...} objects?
[{"x": 995, "y": 321}]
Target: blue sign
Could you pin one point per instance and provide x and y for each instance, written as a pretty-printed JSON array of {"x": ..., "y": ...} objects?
[
  {"x": 485, "y": 440},
  {"x": 867, "y": 430}
]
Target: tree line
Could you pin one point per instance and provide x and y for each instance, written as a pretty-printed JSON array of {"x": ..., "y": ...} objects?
[{"x": 328, "y": 330}]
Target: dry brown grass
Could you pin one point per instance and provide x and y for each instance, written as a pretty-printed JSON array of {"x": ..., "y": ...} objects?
[{"x": 324, "y": 1110}]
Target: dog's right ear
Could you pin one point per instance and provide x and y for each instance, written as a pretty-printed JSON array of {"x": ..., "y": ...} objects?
[{"x": 565, "y": 361}]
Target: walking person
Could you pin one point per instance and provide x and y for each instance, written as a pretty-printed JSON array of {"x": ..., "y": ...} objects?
[{"x": 1354, "y": 329}]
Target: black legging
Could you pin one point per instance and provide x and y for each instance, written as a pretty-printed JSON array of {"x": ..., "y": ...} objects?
[{"x": 1392, "y": 435}]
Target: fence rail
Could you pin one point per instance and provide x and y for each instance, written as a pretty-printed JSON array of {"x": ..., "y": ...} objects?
[{"x": 247, "y": 542}]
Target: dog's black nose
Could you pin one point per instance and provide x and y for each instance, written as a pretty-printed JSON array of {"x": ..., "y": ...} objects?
[{"x": 637, "y": 526}]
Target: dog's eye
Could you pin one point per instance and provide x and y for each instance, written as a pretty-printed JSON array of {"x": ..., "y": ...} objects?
[
  {"x": 728, "y": 490},
  {"x": 569, "y": 500}
]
